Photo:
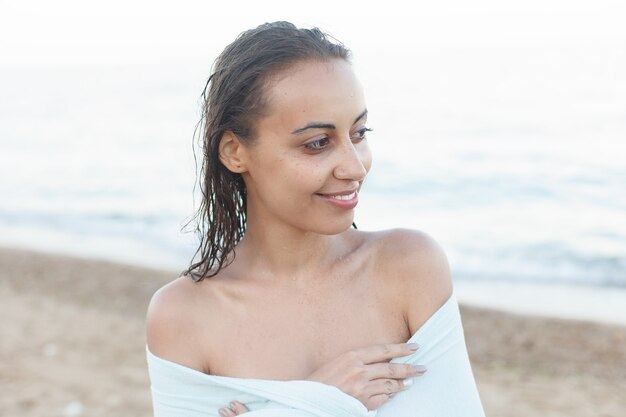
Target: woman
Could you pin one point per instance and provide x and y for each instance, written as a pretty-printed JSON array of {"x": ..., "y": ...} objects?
[{"x": 287, "y": 301}]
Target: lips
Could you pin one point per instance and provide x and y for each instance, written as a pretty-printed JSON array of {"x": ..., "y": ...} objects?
[
  {"x": 341, "y": 195},
  {"x": 344, "y": 199}
]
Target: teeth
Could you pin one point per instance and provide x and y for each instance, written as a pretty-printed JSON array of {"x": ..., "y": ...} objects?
[{"x": 344, "y": 197}]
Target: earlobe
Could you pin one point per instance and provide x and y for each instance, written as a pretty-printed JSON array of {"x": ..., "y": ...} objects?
[{"x": 230, "y": 152}]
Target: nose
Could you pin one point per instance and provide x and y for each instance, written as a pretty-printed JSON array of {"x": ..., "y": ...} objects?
[{"x": 353, "y": 161}]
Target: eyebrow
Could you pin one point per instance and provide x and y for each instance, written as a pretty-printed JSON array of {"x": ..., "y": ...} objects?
[{"x": 316, "y": 125}]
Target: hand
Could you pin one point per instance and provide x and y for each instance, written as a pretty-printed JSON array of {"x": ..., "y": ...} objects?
[
  {"x": 363, "y": 373},
  {"x": 235, "y": 408},
  {"x": 366, "y": 374}
]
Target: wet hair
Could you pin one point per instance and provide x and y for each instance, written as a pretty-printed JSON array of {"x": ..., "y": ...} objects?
[{"x": 234, "y": 99}]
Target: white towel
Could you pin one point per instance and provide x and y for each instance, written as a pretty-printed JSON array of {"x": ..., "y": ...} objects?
[{"x": 447, "y": 389}]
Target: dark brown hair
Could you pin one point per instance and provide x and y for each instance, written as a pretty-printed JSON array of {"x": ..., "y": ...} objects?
[{"x": 233, "y": 100}]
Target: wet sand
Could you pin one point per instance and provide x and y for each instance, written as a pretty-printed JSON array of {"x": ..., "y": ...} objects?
[{"x": 72, "y": 344}]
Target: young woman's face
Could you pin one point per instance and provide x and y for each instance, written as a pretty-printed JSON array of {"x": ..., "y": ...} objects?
[{"x": 309, "y": 157}]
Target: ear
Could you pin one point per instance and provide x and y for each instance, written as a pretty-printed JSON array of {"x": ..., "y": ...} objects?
[{"x": 231, "y": 152}]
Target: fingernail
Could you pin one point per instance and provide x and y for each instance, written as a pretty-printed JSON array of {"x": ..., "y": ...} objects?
[
  {"x": 413, "y": 346},
  {"x": 419, "y": 368},
  {"x": 407, "y": 382},
  {"x": 223, "y": 412},
  {"x": 233, "y": 405}
]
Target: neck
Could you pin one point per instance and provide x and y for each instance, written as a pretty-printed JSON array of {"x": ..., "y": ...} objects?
[{"x": 283, "y": 252}]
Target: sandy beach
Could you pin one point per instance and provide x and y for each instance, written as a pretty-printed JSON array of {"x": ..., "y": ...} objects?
[{"x": 72, "y": 344}]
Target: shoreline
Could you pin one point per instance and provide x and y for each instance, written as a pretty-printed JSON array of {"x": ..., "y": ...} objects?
[
  {"x": 73, "y": 344},
  {"x": 603, "y": 305}
]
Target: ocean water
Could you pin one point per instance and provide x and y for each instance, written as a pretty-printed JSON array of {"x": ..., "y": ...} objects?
[{"x": 512, "y": 157}]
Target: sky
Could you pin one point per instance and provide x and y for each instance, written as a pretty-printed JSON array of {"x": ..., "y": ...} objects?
[{"x": 82, "y": 32}]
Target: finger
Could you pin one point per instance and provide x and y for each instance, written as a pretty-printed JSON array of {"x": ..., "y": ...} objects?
[
  {"x": 238, "y": 407},
  {"x": 386, "y": 386},
  {"x": 376, "y": 401},
  {"x": 385, "y": 352},
  {"x": 226, "y": 412},
  {"x": 394, "y": 370}
]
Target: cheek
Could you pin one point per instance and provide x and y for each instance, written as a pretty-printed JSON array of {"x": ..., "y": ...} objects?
[
  {"x": 305, "y": 176},
  {"x": 292, "y": 176}
]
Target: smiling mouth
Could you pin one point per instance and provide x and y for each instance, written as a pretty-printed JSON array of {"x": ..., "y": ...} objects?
[
  {"x": 346, "y": 200},
  {"x": 346, "y": 197}
]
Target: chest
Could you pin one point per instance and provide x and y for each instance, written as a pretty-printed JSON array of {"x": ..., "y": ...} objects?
[{"x": 288, "y": 337}]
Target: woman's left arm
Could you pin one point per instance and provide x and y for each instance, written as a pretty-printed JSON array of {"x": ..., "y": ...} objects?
[
  {"x": 418, "y": 268},
  {"x": 432, "y": 315}
]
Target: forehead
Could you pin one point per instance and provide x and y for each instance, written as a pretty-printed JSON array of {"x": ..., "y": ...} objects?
[{"x": 313, "y": 91}]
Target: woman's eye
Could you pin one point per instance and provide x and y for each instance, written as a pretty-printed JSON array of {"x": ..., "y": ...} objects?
[
  {"x": 360, "y": 134},
  {"x": 317, "y": 145}
]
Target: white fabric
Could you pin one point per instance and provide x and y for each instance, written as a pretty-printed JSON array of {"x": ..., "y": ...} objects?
[{"x": 447, "y": 389}]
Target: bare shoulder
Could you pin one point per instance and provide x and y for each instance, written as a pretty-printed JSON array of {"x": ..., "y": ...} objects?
[
  {"x": 171, "y": 324},
  {"x": 416, "y": 265}
]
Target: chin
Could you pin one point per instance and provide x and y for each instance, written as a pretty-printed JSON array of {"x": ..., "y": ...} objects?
[{"x": 335, "y": 227}]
